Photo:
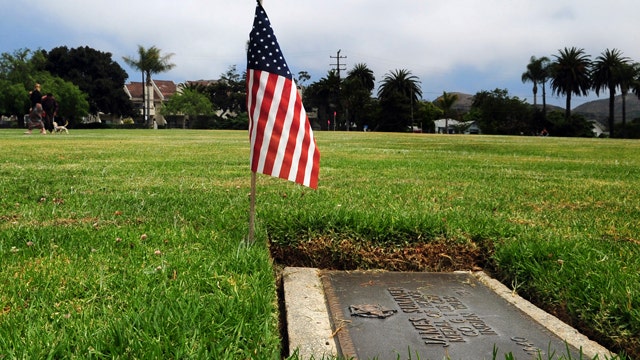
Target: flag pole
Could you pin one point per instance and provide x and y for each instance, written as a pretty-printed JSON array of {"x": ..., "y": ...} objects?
[
  {"x": 252, "y": 209},
  {"x": 252, "y": 199},
  {"x": 271, "y": 142}
]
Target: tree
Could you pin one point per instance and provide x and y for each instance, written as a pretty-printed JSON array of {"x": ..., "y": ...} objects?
[
  {"x": 575, "y": 126},
  {"x": 96, "y": 74},
  {"x": 629, "y": 80},
  {"x": 230, "y": 93},
  {"x": 21, "y": 67},
  {"x": 426, "y": 113},
  {"x": 303, "y": 76},
  {"x": 21, "y": 70},
  {"x": 570, "y": 75},
  {"x": 14, "y": 99},
  {"x": 537, "y": 73},
  {"x": 323, "y": 94},
  {"x": 606, "y": 73},
  {"x": 363, "y": 75},
  {"x": 398, "y": 91},
  {"x": 498, "y": 113},
  {"x": 445, "y": 102},
  {"x": 188, "y": 102},
  {"x": 72, "y": 101},
  {"x": 356, "y": 93},
  {"x": 149, "y": 62}
]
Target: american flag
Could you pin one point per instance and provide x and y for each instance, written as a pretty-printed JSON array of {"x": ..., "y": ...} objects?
[{"x": 282, "y": 142}]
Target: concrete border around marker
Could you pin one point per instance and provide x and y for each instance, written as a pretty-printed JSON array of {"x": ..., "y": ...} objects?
[
  {"x": 308, "y": 323},
  {"x": 311, "y": 335}
]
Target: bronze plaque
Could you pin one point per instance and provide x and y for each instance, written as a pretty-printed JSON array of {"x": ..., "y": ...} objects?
[{"x": 390, "y": 315}]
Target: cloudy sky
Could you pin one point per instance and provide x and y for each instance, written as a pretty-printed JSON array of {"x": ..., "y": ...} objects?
[{"x": 456, "y": 45}]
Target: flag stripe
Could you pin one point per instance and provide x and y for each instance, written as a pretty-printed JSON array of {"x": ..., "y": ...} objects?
[
  {"x": 278, "y": 111},
  {"x": 292, "y": 141},
  {"x": 259, "y": 129},
  {"x": 252, "y": 89}
]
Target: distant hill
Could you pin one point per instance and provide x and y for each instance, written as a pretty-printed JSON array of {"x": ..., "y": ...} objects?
[
  {"x": 592, "y": 110},
  {"x": 465, "y": 101},
  {"x": 463, "y": 104},
  {"x": 599, "y": 109}
]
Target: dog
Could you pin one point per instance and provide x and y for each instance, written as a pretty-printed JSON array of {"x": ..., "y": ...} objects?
[{"x": 60, "y": 128}]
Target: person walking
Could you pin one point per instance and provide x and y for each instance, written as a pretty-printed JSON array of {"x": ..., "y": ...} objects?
[
  {"x": 35, "y": 120},
  {"x": 50, "y": 107},
  {"x": 35, "y": 97}
]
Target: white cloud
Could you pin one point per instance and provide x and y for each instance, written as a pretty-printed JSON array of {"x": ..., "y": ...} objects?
[{"x": 465, "y": 45}]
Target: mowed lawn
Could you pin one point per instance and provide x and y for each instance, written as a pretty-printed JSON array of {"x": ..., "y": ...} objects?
[{"x": 132, "y": 243}]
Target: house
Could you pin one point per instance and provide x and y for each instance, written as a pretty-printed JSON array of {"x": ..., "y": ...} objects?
[
  {"x": 452, "y": 126},
  {"x": 157, "y": 93}
]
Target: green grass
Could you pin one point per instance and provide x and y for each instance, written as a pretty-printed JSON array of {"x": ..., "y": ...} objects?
[
  {"x": 557, "y": 218},
  {"x": 79, "y": 279}
]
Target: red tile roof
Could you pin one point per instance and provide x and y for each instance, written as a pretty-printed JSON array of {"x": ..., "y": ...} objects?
[
  {"x": 135, "y": 89},
  {"x": 167, "y": 88}
]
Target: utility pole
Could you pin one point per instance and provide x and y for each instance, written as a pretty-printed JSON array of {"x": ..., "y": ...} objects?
[{"x": 338, "y": 68}]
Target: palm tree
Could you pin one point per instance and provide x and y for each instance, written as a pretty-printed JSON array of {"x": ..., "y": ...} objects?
[
  {"x": 149, "y": 61},
  {"x": 445, "y": 102},
  {"x": 635, "y": 83},
  {"x": 398, "y": 92},
  {"x": 537, "y": 73},
  {"x": 323, "y": 94},
  {"x": 363, "y": 75},
  {"x": 400, "y": 82},
  {"x": 357, "y": 89},
  {"x": 629, "y": 80},
  {"x": 570, "y": 75},
  {"x": 606, "y": 74}
]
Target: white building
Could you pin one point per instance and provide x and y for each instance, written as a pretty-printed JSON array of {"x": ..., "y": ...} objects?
[{"x": 452, "y": 126}]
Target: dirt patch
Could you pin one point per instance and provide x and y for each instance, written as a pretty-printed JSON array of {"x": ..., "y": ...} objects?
[{"x": 347, "y": 254}]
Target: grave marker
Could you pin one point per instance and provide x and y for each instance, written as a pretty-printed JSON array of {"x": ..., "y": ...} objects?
[{"x": 384, "y": 315}]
